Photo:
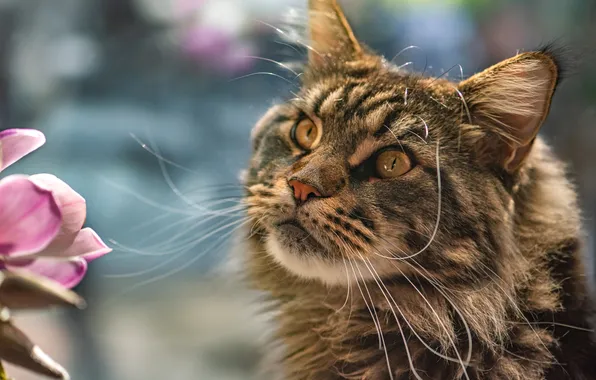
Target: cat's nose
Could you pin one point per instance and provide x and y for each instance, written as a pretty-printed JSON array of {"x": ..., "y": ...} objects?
[{"x": 302, "y": 191}]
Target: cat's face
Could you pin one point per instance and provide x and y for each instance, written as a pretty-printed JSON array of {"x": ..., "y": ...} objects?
[{"x": 371, "y": 169}]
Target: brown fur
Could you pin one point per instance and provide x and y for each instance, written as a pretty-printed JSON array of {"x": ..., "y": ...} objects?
[{"x": 503, "y": 274}]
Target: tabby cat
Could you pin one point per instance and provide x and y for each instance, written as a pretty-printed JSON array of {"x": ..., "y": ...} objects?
[{"x": 407, "y": 227}]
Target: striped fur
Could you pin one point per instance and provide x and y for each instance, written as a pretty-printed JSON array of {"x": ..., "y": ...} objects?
[{"x": 467, "y": 267}]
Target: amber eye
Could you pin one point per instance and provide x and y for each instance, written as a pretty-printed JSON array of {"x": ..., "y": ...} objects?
[
  {"x": 392, "y": 163},
  {"x": 306, "y": 134}
]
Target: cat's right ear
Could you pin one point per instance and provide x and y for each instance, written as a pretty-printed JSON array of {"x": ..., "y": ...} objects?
[{"x": 331, "y": 36}]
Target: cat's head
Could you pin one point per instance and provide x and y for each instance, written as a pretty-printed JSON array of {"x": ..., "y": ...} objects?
[{"x": 371, "y": 168}]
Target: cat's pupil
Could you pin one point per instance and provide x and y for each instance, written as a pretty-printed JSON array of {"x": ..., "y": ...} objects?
[{"x": 392, "y": 165}]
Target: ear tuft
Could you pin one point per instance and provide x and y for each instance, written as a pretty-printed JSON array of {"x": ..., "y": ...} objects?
[
  {"x": 510, "y": 101},
  {"x": 563, "y": 58}
]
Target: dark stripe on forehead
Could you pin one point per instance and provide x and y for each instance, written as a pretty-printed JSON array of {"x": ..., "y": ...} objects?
[
  {"x": 395, "y": 101},
  {"x": 387, "y": 122},
  {"x": 316, "y": 106},
  {"x": 347, "y": 90},
  {"x": 359, "y": 72},
  {"x": 355, "y": 102}
]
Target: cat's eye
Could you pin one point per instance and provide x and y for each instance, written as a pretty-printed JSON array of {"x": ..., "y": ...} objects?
[
  {"x": 392, "y": 163},
  {"x": 305, "y": 134}
]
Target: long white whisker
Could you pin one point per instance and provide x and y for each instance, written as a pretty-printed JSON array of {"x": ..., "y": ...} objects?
[
  {"x": 273, "y": 61},
  {"x": 187, "y": 264},
  {"x": 263, "y": 73},
  {"x": 183, "y": 250},
  {"x": 456, "y": 360},
  {"x": 404, "y": 50},
  {"x": 162, "y": 158},
  {"x": 146, "y": 200},
  {"x": 288, "y": 45},
  {"x": 425, "y": 126},
  {"x": 348, "y": 290},
  {"x": 278, "y": 30},
  {"x": 459, "y": 313},
  {"x": 438, "y": 220},
  {"x": 174, "y": 188},
  {"x": 385, "y": 294},
  {"x": 382, "y": 337},
  {"x": 383, "y": 341},
  {"x": 370, "y": 309}
]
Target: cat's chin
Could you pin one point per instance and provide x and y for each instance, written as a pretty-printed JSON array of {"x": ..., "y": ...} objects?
[{"x": 307, "y": 265}]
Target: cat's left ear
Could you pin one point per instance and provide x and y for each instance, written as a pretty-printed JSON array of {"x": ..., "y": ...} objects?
[
  {"x": 510, "y": 101},
  {"x": 330, "y": 34}
]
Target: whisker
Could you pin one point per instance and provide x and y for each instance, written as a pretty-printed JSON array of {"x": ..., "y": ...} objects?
[
  {"x": 176, "y": 238},
  {"x": 145, "y": 200},
  {"x": 438, "y": 102},
  {"x": 273, "y": 61},
  {"x": 446, "y": 72},
  {"x": 370, "y": 309},
  {"x": 162, "y": 158},
  {"x": 216, "y": 187},
  {"x": 186, "y": 265},
  {"x": 453, "y": 305},
  {"x": 554, "y": 324},
  {"x": 438, "y": 220},
  {"x": 263, "y": 73},
  {"x": 396, "y": 138},
  {"x": 404, "y": 65},
  {"x": 548, "y": 362},
  {"x": 417, "y": 135},
  {"x": 407, "y": 349},
  {"x": 513, "y": 303},
  {"x": 288, "y": 45},
  {"x": 175, "y": 190},
  {"x": 382, "y": 336},
  {"x": 278, "y": 30},
  {"x": 404, "y": 50},
  {"x": 465, "y": 106},
  {"x": 183, "y": 250},
  {"x": 425, "y": 126},
  {"x": 348, "y": 286},
  {"x": 455, "y": 360}
]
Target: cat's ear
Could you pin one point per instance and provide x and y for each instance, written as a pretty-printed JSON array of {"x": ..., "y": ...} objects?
[
  {"x": 330, "y": 33},
  {"x": 509, "y": 102}
]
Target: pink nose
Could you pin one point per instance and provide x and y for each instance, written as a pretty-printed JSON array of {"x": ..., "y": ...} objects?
[{"x": 302, "y": 191}]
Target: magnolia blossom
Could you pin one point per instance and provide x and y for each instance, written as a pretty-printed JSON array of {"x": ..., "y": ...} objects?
[{"x": 41, "y": 218}]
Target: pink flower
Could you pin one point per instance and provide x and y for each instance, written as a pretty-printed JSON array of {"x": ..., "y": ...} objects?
[{"x": 41, "y": 218}]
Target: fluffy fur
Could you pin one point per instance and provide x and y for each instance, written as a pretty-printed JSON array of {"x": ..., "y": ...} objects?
[{"x": 469, "y": 266}]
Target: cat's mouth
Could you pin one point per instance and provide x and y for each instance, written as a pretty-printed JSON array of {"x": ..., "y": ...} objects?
[
  {"x": 294, "y": 247},
  {"x": 292, "y": 226},
  {"x": 292, "y": 234}
]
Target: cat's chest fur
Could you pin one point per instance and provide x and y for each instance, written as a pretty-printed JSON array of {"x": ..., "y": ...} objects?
[{"x": 432, "y": 333}]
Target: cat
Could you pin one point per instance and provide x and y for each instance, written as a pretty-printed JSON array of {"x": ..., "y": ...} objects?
[{"x": 407, "y": 227}]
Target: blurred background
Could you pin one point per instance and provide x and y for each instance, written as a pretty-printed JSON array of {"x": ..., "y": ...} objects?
[{"x": 147, "y": 106}]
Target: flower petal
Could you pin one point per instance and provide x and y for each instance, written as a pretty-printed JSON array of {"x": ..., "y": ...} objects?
[
  {"x": 72, "y": 204},
  {"x": 29, "y": 216},
  {"x": 67, "y": 272},
  {"x": 16, "y": 143},
  {"x": 85, "y": 243}
]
